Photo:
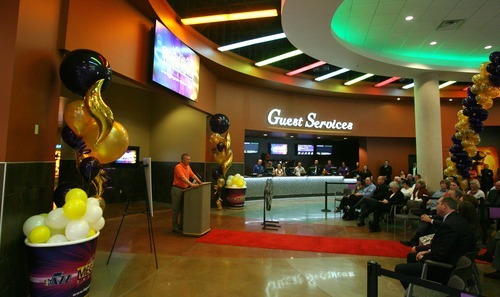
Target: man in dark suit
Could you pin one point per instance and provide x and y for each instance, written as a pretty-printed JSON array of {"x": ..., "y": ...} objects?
[
  {"x": 486, "y": 178},
  {"x": 395, "y": 196},
  {"x": 386, "y": 170},
  {"x": 367, "y": 204},
  {"x": 453, "y": 239}
]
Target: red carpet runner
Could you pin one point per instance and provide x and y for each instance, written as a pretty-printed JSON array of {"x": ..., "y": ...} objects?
[{"x": 351, "y": 246}]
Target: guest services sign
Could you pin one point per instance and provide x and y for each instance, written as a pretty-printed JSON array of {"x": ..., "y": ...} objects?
[{"x": 275, "y": 118}]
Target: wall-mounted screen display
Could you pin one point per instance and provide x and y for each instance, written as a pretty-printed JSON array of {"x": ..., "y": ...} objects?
[
  {"x": 305, "y": 149},
  {"x": 278, "y": 148},
  {"x": 251, "y": 147},
  {"x": 323, "y": 149},
  {"x": 130, "y": 156},
  {"x": 175, "y": 65}
]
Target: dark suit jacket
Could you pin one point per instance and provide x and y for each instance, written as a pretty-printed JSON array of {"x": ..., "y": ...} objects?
[
  {"x": 381, "y": 192},
  {"x": 453, "y": 239}
]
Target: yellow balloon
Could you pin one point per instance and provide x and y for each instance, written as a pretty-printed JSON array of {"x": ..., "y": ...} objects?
[
  {"x": 111, "y": 147},
  {"x": 487, "y": 104},
  {"x": 74, "y": 209},
  {"x": 99, "y": 110},
  {"x": 220, "y": 182},
  {"x": 76, "y": 193},
  {"x": 91, "y": 232},
  {"x": 40, "y": 234},
  {"x": 77, "y": 117}
]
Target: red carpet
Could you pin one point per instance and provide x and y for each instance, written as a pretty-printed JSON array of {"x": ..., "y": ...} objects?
[{"x": 337, "y": 245}]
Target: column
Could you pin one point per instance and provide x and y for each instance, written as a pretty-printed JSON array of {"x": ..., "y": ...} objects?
[{"x": 428, "y": 129}]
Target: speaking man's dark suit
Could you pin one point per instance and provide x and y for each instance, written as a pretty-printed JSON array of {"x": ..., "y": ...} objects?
[{"x": 454, "y": 238}]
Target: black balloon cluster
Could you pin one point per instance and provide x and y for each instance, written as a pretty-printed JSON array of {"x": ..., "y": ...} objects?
[{"x": 470, "y": 119}]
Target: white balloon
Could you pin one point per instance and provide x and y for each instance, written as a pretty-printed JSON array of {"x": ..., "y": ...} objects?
[
  {"x": 93, "y": 213},
  {"x": 77, "y": 229},
  {"x": 56, "y": 219},
  {"x": 98, "y": 225},
  {"x": 93, "y": 201},
  {"x": 237, "y": 175},
  {"x": 229, "y": 182},
  {"x": 57, "y": 238},
  {"x": 230, "y": 177},
  {"x": 31, "y": 223}
]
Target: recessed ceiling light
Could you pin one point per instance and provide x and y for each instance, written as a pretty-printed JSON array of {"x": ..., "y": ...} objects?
[
  {"x": 345, "y": 138},
  {"x": 230, "y": 17},
  {"x": 265, "y": 134},
  {"x": 409, "y": 18},
  {"x": 291, "y": 136},
  {"x": 279, "y": 58},
  {"x": 252, "y": 42},
  {"x": 319, "y": 137},
  {"x": 433, "y": 43},
  {"x": 398, "y": 99},
  {"x": 488, "y": 47},
  {"x": 443, "y": 85},
  {"x": 408, "y": 86},
  {"x": 362, "y": 77},
  {"x": 450, "y": 99}
]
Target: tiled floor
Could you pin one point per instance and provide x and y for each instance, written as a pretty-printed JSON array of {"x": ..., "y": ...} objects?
[{"x": 188, "y": 268}]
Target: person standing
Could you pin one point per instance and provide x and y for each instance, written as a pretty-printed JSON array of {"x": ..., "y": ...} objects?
[
  {"x": 386, "y": 170},
  {"x": 182, "y": 180},
  {"x": 486, "y": 178}
]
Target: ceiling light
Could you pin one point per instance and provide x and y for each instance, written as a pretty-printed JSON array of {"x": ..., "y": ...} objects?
[
  {"x": 488, "y": 47},
  {"x": 387, "y": 81},
  {"x": 409, "y": 18},
  {"x": 332, "y": 74},
  {"x": 305, "y": 68},
  {"x": 279, "y": 58},
  {"x": 408, "y": 86},
  {"x": 251, "y": 42},
  {"x": 265, "y": 134},
  {"x": 399, "y": 99},
  {"x": 319, "y": 137},
  {"x": 433, "y": 43},
  {"x": 291, "y": 136},
  {"x": 345, "y": 138},
  {"x": 230, "y": 17},
  {"x": 447, "y": 84},
  {"x": 362, "y": 77},
  {"x": 450, "y": 99}
]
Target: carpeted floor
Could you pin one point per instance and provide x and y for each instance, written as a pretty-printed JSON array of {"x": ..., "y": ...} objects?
[{"x": 351, "y": 246}]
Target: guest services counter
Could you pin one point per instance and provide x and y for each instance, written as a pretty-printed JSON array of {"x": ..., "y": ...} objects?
[{"x": 294, "y": 186}]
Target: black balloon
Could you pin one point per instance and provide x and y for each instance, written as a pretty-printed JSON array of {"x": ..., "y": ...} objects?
[
  {"x": 492, "y": 68},
  {"x": 221, "y": 146},
  {"x": 456, "y": 148},
  {"x": 61, "y": 191},
  {"x": 89, "y": 168},
  {"x": 69, "y": 137},
  {"x": 495, "y": 57},
  {"x": 219, "y": 123},
  {"x": 216, "y": 173},
  {"x": 494, "y": 79},
  {"x": 82, "y": 68}
]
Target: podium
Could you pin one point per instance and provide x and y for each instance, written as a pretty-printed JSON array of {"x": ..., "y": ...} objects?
[{"x": 197, "y": 210}]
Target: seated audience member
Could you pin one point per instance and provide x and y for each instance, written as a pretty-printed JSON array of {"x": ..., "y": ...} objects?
[
  {"x": 365, "y": 172},
  {"x": 431, "y": 204},
  {"x": 472, "y": 173},
  {"x": 269, "y": 170},
  {"x": 395, "y": 197},
  {"x": 471, "y": 199},
  {"x": 367, "y": 191},
  {"x": 402, "y": 174},
  {"x": 258, "y": 169},
  {"x": 493, "y": 200},
  {"x": 420, "y": 194},
  {"x": 344, "y": 202},
  {"x": 355, "y": 172},
  {"x": 409, "y": 178},
  {"x": 343, "y": 169},
  {"x": 367, "y": 204},
  {"x": 279, "y": 170},
  {"x": 299, "y": 170},
  {"x": 453, "y": 238},
  {"x": 406, "y": 189},
  {"x": 315, "y": 169},
  {"x": 496, "y": 262},
  {"x": 327, "y": 168},
  {"x": 475, "y": 189},
  {"x": 491, "y": 249}
]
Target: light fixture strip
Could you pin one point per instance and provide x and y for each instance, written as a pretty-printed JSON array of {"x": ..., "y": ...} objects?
[
  {"x": 279, "y": 58},
  {"x": 251, "y": 42},
  {"x": 447, "y": 84},
  {"x": 230, "y": 17},
  {"x": 305, "y": 68},
  {"x": 362, "y": 77},
  {"x": 408, "y": 86},
  {"x": 387, "y": 81},
  {"x": 332, "y": 74}
]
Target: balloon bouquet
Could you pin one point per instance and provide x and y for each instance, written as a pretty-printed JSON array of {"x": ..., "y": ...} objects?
[
  {"x": 479, "y": 99},
  {"x": 96, "y": 139},
  {"x": 221, "y": 149}
]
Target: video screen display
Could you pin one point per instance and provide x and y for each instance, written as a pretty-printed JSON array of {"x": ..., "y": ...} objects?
[
  {"x": 278, "y": 148},
  {"x": 324, "y": 149},
  {"x": 130, "y": 156},
  {"x": 305, "y": 149},
  {"x": 175, "y": 65},
  {"x": 251, "y": 147}
]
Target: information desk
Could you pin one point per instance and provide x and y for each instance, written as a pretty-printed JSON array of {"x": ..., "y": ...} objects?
[{"x": 291, "y": 186}]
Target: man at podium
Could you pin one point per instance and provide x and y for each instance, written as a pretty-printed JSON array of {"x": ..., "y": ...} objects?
[{"x": 182, "y": 180}]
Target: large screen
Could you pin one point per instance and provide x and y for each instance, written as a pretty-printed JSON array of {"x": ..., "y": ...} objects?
[
  {"x": 323, "y": 149},
  {"x": 278, "y": 148},
  {"x": 130, "y": 156},
  {"x": 175, "y": 66},
  {"x": 251, "y": 147},
  {"x": 305, "y": 149}
]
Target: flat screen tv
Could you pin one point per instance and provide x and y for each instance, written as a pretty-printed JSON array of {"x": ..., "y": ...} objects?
[
  {"x": 305, "y": 149},
  {"x": 323, "y": 149},
  {"x": 251, "y": 147},
  {"x": 278, "y": 149},
  {"x": 130, "y": 157},
  {"x": 175, "y": 65}
]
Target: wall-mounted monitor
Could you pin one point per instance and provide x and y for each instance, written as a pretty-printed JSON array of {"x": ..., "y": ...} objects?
[
  {"x": 251, "y": 147},
  {"x": 278, "y": 149},
  {"x": 175, "y": 65},
  {"x": 130, "y": 157},
  {"x": 324, "y": 149},
  {"x": 305, "y": 149}
]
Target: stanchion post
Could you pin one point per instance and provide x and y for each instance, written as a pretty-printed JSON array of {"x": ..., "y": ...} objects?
[
  {"x": 372, "y": 279},
  {"x": 326, "y": 199}
]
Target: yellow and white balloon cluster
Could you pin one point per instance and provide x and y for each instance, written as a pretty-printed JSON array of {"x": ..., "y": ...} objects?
[
  {"x": 236, "y": 181},
  {"x": 80, "y": 217}
]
